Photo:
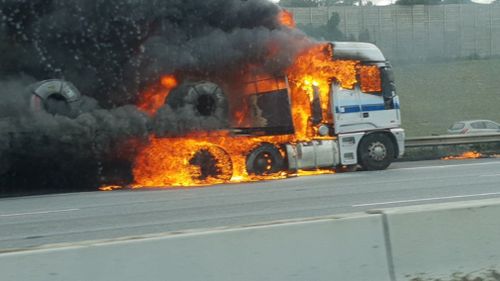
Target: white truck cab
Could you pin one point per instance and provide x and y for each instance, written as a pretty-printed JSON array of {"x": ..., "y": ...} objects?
[{"x": 367, "y": 125}]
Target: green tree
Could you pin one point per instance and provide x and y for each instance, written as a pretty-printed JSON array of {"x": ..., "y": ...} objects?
[
  {"x": 316, "y": 3},
  {"x": 456, "y": 2},
  {"x": 418, "y": 2},
  {"x": 364, "y": 36},
  {"x": 299, "y": 3},
  {"x": 345, "y": 2},
  {"x": 330, "y": 31}
]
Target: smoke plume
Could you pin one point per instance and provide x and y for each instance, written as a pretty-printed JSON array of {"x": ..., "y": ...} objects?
[{"x": 112, "y": 50}]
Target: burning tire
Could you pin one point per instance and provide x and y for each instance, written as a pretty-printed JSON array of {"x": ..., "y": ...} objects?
[
  {"x": 265, "y": 159},
  {"x": 56, "y": 97},
  {"x": 211, "y": 164},
  {"x": 375, "y": 152},
  {"x": 204, "y": 99}
]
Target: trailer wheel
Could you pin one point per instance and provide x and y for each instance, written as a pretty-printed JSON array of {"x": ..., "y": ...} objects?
[
  {"x": 204, "y": 99},
  {"x": 264, "y": 159},
  {"x": 211, "y": 163},
  {"x": 56, "y": 97},
  {"x": 375, "y": 152}
]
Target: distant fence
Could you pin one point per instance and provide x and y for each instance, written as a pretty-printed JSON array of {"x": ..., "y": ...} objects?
[{"x": 418, "y": 32}]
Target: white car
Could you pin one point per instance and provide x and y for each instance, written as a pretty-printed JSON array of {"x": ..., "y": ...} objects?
[{"x": 474, "y": 127}]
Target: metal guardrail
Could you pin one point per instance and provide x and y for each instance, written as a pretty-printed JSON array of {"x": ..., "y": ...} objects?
[{"x": 452, "y": 140}]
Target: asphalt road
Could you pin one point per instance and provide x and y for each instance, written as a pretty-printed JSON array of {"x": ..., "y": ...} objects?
[{"x": 39, "y": 220}]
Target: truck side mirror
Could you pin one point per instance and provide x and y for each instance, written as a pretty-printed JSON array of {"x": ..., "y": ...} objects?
[{"x": 388, "y": 86}]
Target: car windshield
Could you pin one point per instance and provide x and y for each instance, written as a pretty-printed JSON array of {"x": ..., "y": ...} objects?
[{"x": 457, "y": 126}]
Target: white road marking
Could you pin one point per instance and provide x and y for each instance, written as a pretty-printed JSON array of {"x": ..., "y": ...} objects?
[
  {"x": 448, "y": 166},
  {"x": 492, "y": 175},
  {"x": 426, "y": 199},
  {"x": 37, "y": 213}
]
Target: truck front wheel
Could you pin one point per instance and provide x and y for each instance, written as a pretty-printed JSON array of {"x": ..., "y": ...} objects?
[{"x": 375, "y": 152}]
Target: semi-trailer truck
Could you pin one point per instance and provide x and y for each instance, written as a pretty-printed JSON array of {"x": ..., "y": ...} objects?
[{"x": 355, "y": 126}]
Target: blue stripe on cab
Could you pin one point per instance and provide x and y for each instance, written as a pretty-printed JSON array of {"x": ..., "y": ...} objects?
[
  {"x": 357, "y": 108},
  {"x": 347, "y": 109},
  {"x": 372, "y": 107}
]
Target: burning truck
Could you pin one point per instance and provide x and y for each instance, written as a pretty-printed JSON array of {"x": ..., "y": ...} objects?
[
  {"x": 180, "y": 93},
  {"x": 334, "y": 109}
]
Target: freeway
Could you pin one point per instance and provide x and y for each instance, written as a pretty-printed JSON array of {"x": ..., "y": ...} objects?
[{"x": 39, "y": 220}]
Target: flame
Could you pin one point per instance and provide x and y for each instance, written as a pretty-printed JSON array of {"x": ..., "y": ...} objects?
[
  {"x": 177, "y": 161},
  {"x": 465, "y": 155},
  {"x": 169, "y": 161},
  {"x": 314, "y": 172},
  {"x": 316, "y": 67},
  {"x": 110, "y": 187},
  {"x": 169, "y": 81},
  {"x": 285, "y": 18},
  {"x": 369, "y": 78},
  {"x": 154, "y": 98}
]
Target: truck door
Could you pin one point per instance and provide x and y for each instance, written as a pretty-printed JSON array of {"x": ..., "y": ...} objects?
[
  {"x": 378, "y": 114},
  {"x": 380, "y": 107},
  {"x": 346, "y": 106}
]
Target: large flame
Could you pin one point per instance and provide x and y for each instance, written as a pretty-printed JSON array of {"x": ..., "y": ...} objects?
[
  {"x": 176, "y": 161},
  {"x": 154, "y": 98},
  {"x": 169, "y": 161},
  {"x": 316, "y": 67},
  {"x": 285, "y": 17}
]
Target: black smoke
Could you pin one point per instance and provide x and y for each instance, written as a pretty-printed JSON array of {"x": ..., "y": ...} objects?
[{"x": 112, "y": 50}]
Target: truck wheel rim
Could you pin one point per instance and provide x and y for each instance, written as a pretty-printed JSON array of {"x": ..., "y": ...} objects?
[
  {"x": 377, "y": 151},
  {"x": 263, "y": 163}
]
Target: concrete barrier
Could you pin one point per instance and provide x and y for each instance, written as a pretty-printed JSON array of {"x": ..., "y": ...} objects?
[
  {"x": 449, "y": 241},
  {"x": 347, "y": 248}
]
